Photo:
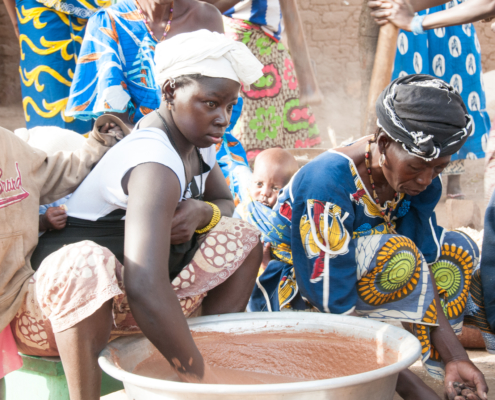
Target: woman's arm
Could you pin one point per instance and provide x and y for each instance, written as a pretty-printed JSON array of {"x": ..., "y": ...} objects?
[
  {"x": 194, "y": 214},
  {"x": 10, "y": 6},
  {"x": 401, "y": 13},
  {"x": 458, "y": 366},
  {"x": 153, "y": 302}
]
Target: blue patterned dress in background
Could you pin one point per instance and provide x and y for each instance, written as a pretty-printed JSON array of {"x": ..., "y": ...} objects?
[
  {"x": 454, "y": 55},
  {"x": 51, "y": 33}
]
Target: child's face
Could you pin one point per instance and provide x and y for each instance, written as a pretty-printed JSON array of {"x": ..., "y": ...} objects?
[{"x": 265, "y": 185}]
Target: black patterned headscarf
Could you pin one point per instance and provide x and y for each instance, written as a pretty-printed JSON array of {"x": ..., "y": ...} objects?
[{"x": 425, "y": 114}]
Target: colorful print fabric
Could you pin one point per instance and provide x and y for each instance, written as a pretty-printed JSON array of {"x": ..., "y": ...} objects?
[
  {"x": 115, "y": 70},
  {"x": 339, "y": 256},
  {"x": 51, "y": 33},
  {"x": 271, "y": 115},
  {"x": 454, "y": 55},
  {"x": 60, "y": 296},
  {"x": 265, "y": 13},
  {"x": 232, "y": 158}
]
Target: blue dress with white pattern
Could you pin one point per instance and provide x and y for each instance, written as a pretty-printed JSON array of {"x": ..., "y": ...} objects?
[{"x": 454, "y": 55}]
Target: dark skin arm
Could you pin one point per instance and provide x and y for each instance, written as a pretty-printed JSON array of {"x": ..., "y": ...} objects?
[
  {"x": 151, "y": 214},
  {"x": 458, "y": 366},
  {"x": 223, "y": 5},
  {"x": 147, "y": 244},
  {"x": 10, "y": 6}
]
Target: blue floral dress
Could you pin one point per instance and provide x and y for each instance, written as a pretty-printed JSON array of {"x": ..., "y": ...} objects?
[{"x": 332, "y": 252}]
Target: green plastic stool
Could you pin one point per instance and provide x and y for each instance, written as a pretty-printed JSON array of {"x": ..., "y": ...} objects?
[{"x": 43, "y": 378}]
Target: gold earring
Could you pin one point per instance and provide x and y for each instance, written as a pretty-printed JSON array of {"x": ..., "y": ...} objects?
[
  {"x": 169, "y": 106},
  {"x": 381, "y": 160}
]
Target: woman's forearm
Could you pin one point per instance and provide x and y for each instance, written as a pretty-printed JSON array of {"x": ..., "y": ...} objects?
[
  {"x": 471, "y": 11},
  {"x": 10, "y": 6},
  {"x": 443, "y": 337},
  {"x": 152, "y": 300}
]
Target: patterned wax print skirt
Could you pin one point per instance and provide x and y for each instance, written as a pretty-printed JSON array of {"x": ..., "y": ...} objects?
[
  {"x": 75, "y": 281},
  {"x": 272, "y": 115}
]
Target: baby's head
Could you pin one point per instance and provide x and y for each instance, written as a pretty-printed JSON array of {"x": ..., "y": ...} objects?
[{"x": 273, "y": 169}]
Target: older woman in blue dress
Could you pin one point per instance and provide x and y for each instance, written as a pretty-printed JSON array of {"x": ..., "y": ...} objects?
[{"x": 355, "y": 232}]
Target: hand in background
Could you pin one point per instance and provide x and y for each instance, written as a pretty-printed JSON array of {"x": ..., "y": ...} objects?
[
  {"x": 398, "y": 12},
  {"x": 54, "y": 218},
  {"x": 112, "y": 128}
]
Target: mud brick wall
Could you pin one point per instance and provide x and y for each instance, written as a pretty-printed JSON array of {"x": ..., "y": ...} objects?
[
  {"x": 10, "y": 89},
  {"x": 331, "y": 28}
]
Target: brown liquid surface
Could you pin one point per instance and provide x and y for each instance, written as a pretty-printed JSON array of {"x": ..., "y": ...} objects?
[{"x": 277, "y": 357}]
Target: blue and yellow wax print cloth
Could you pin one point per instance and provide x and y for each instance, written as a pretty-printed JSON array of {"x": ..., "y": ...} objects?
[
  {"x": 454, "y": 55},
  {"x": 50, "y": 37},
  {"x": 344, "y": 258}
]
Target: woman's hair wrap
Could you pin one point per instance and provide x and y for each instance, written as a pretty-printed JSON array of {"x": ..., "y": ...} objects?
[
  {"x": 425, "y": 114},
  {"x": 206, "y": 53}
]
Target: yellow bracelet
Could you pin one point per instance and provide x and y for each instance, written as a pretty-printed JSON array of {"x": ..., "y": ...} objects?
[{"x": 214, "y": 219}]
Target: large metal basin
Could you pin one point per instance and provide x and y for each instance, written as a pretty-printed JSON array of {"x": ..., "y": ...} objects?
[{"x": 122, "y": 355}]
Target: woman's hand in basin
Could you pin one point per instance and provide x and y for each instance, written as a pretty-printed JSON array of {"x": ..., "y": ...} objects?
[{"x": 464, "y": 371}]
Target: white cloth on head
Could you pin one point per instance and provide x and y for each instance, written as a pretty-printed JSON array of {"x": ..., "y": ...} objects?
[{"x": 206, "y": 53}]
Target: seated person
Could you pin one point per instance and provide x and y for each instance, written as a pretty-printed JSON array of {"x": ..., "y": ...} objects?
[
  {"x": 158, "y": 208},
  {"x": 115, "y": 69},
  {"x": 30, "y": 176},
  {"x": 359, "y": 233},
  {"x": 481, "y": 304}
]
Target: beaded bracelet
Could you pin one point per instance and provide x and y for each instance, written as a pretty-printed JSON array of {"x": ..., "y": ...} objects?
[
  {"x": 417, "y": 24},
  {"x": 214, "y": 219}
]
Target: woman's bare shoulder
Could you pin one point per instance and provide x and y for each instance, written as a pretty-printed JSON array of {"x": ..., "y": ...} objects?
[{"x": 207, "y": 16}]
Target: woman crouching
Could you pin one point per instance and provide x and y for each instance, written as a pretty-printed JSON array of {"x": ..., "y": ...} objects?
[
  {"x": 160, "y": 196},
  {"x": 355, "y": 232}
]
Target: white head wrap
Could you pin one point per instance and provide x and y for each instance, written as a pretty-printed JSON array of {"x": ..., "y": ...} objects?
[{"x": 206, "y": 53}]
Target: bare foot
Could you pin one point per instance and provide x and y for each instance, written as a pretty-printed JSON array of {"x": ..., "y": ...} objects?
[
  {"x": 411, "y": 387},
  {"x": 454, "y": 190}
]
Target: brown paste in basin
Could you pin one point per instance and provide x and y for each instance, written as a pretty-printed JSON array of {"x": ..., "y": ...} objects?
[{"x": 278, "y": 357}]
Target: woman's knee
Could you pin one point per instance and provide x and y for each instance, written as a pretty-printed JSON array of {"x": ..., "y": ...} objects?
[{"x": 253, "y": 260}]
